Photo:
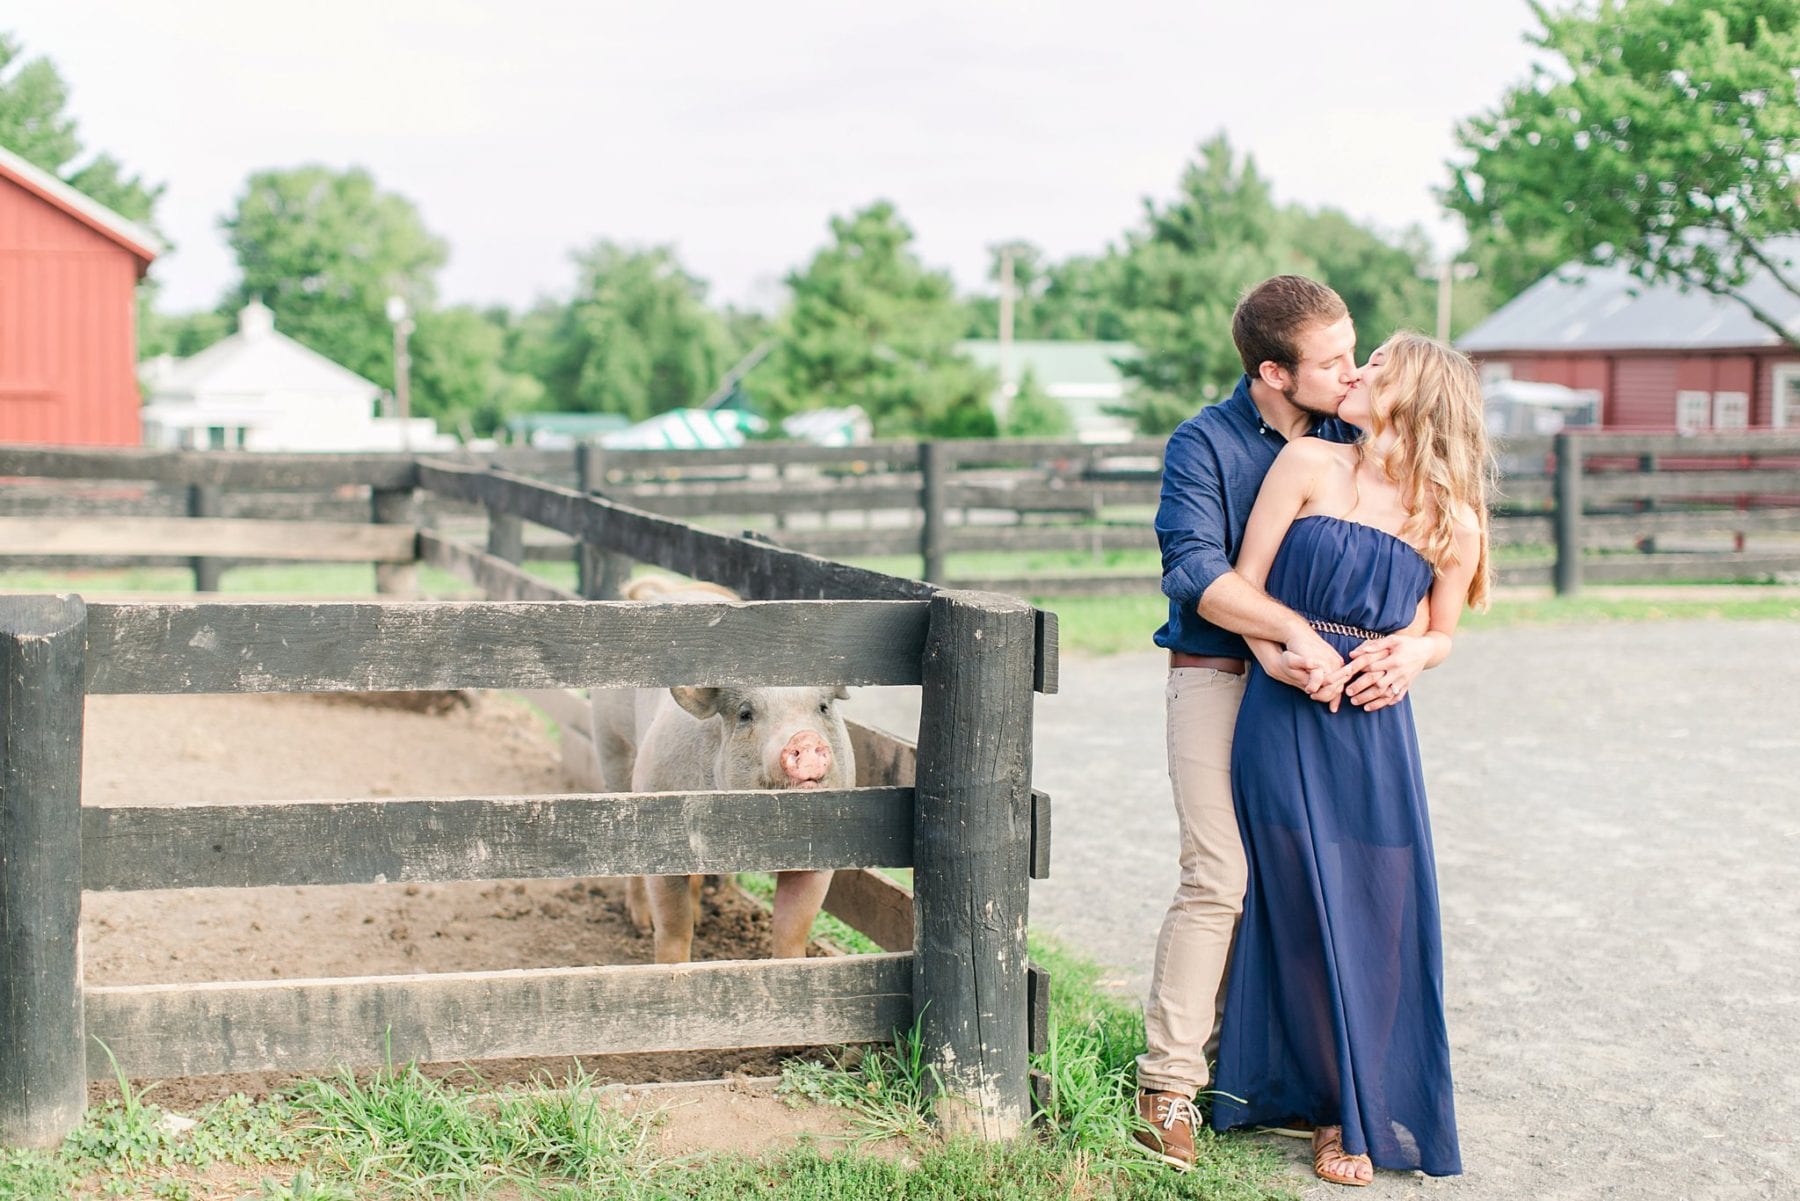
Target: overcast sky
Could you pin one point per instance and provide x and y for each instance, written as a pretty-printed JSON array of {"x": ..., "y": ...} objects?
[{"x": 524, "y": 128}]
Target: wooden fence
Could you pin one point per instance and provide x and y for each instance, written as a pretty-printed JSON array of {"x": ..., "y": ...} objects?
[
  {"x": 958, "y": 809},
  {"x": 1626, "y": 508},
  {"x": 1644, "y": 508},
  {"x": 1648, "y": 507}
]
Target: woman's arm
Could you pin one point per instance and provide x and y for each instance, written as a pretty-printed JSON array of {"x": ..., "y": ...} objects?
[
  {"x": 1450, "y": 591},
  {"x": 1385, "y": 668},
  {"x": 1307, "y": 662}
]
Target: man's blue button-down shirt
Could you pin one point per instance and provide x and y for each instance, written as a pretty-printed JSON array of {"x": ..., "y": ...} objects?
[{"x": 1212, "y": 469}]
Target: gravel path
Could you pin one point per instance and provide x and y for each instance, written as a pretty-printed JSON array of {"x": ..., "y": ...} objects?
[{"x": 1616, "y": 811}]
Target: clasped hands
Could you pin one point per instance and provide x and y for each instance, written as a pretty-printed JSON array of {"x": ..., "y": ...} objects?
[{"x": 1378, "y": 673}]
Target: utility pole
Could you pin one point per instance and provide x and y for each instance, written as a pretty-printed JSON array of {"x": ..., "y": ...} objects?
[
  {"x": 1009, "y": 384},
  {"x": 1006, "y": 320},
  {"x": 401, "y": 316},
  {"x": 1448, "y": 270}
]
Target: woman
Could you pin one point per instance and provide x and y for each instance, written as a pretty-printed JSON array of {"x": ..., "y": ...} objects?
[{"x": 1334, "y": 1013}]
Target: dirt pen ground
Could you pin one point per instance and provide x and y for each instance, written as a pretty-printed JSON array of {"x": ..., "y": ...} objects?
[
  {"x": 1617, "y": 817},
  {"x": 151, "y": 749}
]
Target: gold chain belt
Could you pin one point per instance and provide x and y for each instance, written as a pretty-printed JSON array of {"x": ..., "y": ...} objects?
[{"x": 1333, "y": 627}]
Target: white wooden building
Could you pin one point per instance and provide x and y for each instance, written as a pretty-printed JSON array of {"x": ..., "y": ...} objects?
[{"x": 260, "y": 390}]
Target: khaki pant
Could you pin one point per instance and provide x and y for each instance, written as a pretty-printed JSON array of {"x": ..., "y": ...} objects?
[{"x": 1187, "y": 982}]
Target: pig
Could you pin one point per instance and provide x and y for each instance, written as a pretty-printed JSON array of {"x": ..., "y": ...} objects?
[{"x": 686, "y": 739}]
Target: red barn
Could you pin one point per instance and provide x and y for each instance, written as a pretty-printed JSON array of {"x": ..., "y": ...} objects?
[
  {"x": 1653, "y": 356},
  {"x": 69, "y": 269}
]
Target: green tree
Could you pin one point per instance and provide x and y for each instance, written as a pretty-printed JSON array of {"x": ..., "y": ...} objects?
[
  {"x": 1079, "y": 299},
  {"x": 1183, "y": 274},
  {"x": 1384, "y": 284},
  {"x": 1084, "y": 300},
  {"x": 36, "y": 126},
  {"x": 179, "y": 334},
  {"x": 325, "y": 250},
  {"x": 637, "y": 338},
  {"x": 1661, "y": 135},
  {"x": 1030, "y": 277},
  {"x": 1034, "y": 413},
  {"x": 458, "y": 372},
  {"x": 869, "y": 325}
]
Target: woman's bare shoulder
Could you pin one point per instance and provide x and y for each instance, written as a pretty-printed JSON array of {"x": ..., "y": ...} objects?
[
  {"x": 1317, "y": 453},
  {"x": 1466, "y": 522}
]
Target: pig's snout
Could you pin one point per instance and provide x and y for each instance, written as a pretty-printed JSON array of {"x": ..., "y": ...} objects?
[{"x": 806, "y": 759}]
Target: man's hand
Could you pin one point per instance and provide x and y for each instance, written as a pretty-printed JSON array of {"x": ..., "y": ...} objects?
[
  {"x": 1385, "y": 668},
  {"x": 1291, "y": 667},
  {"x": 1308, "y": 663}
]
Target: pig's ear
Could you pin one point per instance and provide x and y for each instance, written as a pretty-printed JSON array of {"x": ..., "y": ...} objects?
[
  {"x": 701, "y": 702},
  {"x": 841, "y": 693}
]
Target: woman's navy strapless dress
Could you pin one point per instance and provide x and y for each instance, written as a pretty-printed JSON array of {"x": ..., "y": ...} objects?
[{"x": 1334, "y": 1011}]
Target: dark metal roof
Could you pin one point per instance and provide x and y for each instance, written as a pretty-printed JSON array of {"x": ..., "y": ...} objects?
[{"x": 1605, "y": 308}]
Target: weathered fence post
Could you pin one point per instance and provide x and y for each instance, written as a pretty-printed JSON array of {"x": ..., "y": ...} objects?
[
  {"x": 972, "y": 860},
  {"x": 43, "y": 1056},
  {"x": 1568, "y": 514},
  {"x": 1647, "y": 544},
  {"x": 506, "y": 532},
  {"x": 933, "y": 465},
  {"x": 600, "y": 574},
  {"x": 203, "y": 501},
  {"x": 394, "y": 506}
]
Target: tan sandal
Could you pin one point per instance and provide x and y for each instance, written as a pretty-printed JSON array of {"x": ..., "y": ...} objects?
[{"x": 1332, "y": 1165}]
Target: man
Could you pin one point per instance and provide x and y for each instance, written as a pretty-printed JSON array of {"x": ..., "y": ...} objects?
[{"x": 1298, "y": 347}]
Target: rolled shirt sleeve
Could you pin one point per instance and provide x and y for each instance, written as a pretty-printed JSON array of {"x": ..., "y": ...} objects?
[{"x": 1191, "y": 520}]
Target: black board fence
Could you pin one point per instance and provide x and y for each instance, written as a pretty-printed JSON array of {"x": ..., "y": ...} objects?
[
  {"x": 1647, "y": 507},
  {"x": 969, "y": 826},
  {"x": 1686, "y": 504},
  {"x": 1643, "y": 507}
]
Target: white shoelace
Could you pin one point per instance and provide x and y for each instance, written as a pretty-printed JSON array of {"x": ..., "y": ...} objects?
[{"x": 1180, "y": 1109}]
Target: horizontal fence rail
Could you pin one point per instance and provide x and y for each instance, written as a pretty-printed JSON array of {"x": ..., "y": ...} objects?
[
  {"x": 497, "y": 578},
  {"x": 1601, "y": 497},
  {"x": 359, "y": 647},
  {"x": 754, "y": 569},
  {"x": 311, "y": 1025},
  {"x": 1662, "y": 495},
  {"x": 434, "y": 840},
  {"x": 318, "y": 541},
  {"x": 217, "y": 468}
]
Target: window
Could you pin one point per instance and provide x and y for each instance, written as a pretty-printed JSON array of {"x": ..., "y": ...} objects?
[
  {"x": 1731, "y": 410},
  {"x": 1693, "y": 410},
  {"x": 1785, "y": 411}
]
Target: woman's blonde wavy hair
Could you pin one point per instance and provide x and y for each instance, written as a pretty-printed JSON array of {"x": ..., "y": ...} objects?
[{"x": 1440, "y": 459}]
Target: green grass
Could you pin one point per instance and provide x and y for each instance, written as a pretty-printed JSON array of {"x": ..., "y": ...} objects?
[
  {"x": 399, "y": 1134},
  {"x": 761, "y": 885},
  {"x": 883, "y": 1088},
  {"x": 297, "y": 579},
  {"x": 1747, "y": 602},
  {"x": 1086, "y": 625},
  {"x": 1121, "y": 624}
]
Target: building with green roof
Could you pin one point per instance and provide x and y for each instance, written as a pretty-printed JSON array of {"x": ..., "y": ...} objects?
[{"x": 1084, "y": 377}]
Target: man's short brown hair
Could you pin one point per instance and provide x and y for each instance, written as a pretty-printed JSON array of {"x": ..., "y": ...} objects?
[{"x": 1271, "y": 317}]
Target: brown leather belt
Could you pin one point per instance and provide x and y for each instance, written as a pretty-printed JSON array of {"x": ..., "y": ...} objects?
[{"x": 1231, "y": 667}]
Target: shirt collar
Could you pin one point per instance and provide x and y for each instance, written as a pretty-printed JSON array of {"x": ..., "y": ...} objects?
[{"x": 1240, "y": 406}]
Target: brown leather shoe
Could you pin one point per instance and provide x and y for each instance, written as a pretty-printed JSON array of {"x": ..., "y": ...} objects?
[{"x": 1166, "y": 1123}]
